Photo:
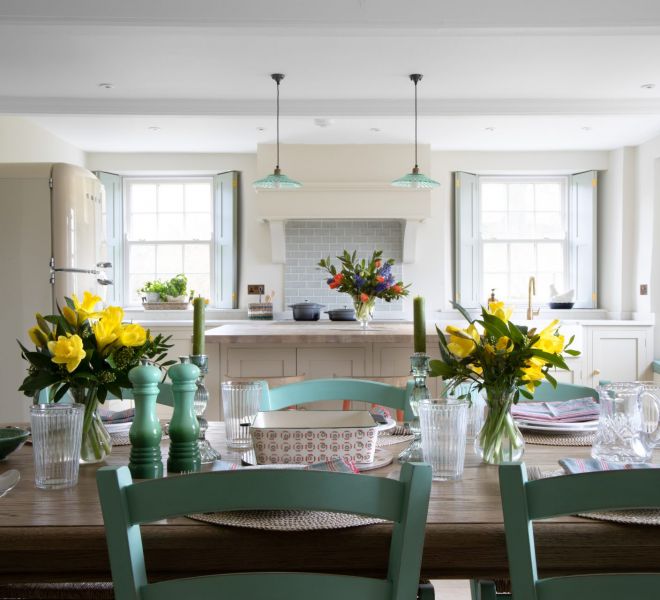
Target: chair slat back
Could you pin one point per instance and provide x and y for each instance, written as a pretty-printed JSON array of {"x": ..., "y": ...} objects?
[
  {"x": 524, "y": 501},
  {"x": 126, "y": 505},
  {"x": 318, "y": 390},
  {"x": 564, "y": 391}
]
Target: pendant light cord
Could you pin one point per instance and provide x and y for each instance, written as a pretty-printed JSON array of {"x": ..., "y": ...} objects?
[
  {"x": 416, "y": 166},
  {"x": 277, "y": 166}
]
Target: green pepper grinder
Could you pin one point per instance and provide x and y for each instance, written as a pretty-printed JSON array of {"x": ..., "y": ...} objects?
[
  {"x": 145, "y": 433},
  {"x": 184, "y": 428}
]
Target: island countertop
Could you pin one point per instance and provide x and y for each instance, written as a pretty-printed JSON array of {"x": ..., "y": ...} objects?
[{"x": 278, "y": 332}]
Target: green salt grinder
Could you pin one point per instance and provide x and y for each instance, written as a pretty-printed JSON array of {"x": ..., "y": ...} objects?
[
  {"x": 145, "y": 433},
  {"x": 184, "y": 428}
]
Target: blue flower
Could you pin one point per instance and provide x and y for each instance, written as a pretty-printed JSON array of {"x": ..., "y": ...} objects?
[
  {"x": 359, "y": 282},
  {"x": 329, "y": 280},
  {"x": 381, "y": 287}
]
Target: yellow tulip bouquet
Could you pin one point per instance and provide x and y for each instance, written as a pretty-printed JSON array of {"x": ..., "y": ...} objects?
[
  {"x": 507, "y": 361},
  {"x": 87, "y": 353}
]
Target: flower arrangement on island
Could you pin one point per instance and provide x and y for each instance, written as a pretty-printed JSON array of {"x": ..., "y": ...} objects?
[
  {"x": 87, "y": 353},
  {"x": 364, "y": 280},
  {"x": 507, "y": 361}
]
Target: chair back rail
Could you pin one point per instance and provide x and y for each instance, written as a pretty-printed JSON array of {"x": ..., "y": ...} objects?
[
  {"x": 317, "y": 390},
  {"x": 564, "y": 391}
]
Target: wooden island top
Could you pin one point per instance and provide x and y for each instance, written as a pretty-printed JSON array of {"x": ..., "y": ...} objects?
[{"x": 338, "y": 332}]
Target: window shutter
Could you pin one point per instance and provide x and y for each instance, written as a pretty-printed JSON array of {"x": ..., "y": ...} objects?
[
  {"x": 225, "y": 190},
  {"x": 582, "y": 200},
  {"x": 466, "y": 243},
  {"x": 113, "y": 185}
]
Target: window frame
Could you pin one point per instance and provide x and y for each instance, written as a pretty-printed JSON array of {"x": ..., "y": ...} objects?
[
  {"x": 126, "y": 243},
  {"x": 564, "y": 180},
  {"x": 582, "y": 215}
]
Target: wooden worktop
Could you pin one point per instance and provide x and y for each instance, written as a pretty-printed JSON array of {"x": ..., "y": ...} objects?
[{"x": 314, "y": 332}]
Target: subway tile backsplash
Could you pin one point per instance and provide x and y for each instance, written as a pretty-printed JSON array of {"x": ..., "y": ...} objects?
[{"x": 307, "y": 242}]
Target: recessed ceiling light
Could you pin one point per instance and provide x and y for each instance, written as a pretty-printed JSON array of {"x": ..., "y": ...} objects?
[
  {"x": 153, "y": 128},
  {"x": 489, "y": 128},
  {"x": 585, "y": 128},
  {"x": 375, "y": 129},
  {"x": 648, "y": 86},
  {"x": 106, "y": 86},
  {"x": 261, "y": 129}
]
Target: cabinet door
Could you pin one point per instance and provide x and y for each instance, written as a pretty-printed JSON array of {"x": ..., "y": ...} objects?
[
  {"x": 261, "y": 362},
  {"x": 618, "y": 354},
  {"x": 334, "y": 361}
]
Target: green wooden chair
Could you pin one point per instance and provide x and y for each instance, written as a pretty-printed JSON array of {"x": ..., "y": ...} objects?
[
  {"x": 165, "y": 396},
  {"x": 359, "y": 390},
  {"x": 526, "y": 501},
  {"x": 564, "y": 391},
  {"x": 127, "y": 505}
]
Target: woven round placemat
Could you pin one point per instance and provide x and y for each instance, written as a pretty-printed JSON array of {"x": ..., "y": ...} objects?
[
  {"x": 545, "y": 439},
  {"x": 285, "y": 520},
  {"x": 637, "y": 516},
  {"x": 387, "y": 439}
]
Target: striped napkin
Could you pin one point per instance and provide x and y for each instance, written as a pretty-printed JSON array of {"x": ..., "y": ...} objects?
[
  {"x": 117, "y": 416},
  {"x": 565, "y": 411},
  {"x": 338, "y": 465},
  {"x": 589, "y": 465}
]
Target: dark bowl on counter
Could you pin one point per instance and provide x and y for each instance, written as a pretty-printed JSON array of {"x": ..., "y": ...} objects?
[
  {"x": 306, "y": 311},
  {"x": 341, "y": 314},
  {"x": 560, "y": 305}
]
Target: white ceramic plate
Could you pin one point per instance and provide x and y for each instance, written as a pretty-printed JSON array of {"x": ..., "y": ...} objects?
[
  {"x": 391, "y": 424},
  {"x": 563, "y": 428}
]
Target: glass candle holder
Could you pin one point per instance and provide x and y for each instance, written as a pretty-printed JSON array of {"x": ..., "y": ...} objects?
[
  {"x": 207, "y": 452},
  {"x": 419, "y": 369}
]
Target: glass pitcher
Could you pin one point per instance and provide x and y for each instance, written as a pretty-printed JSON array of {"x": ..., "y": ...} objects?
[
  {"x": 650, "y": 414},
  {"x": 628, "y": 423}
]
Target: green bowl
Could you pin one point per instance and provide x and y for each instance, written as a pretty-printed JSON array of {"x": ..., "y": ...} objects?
[{"x": 11, "y": 438}]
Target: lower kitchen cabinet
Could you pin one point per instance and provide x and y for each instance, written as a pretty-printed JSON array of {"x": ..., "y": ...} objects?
[
  {"x": 618, "y": 354},
  {"x": 333, "y": 361}
]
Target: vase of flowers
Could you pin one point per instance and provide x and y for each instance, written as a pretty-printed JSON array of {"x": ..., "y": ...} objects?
[
  {"x": 504, "y": 361},
  {"x": 364, "y": 280},
  {"x": 87, "y": 354}
]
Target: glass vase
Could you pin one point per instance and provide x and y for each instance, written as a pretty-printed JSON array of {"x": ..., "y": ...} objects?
[
  {"x": 96, "y": 442},
  {"x": 499, "y": 439},
  {"x": 364, "y": 311}
]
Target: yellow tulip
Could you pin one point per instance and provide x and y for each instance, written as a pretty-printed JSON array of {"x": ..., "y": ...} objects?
[
  {"x": 132, "y": 335},
  {"x": 462, "y": 342},
  {"x": 549, "y": 341},
  {"x": 499, "y": 310},
  {"x": 504, "y": 345},
  {"x": 38, "y": 337},
  {"x": 67, "y": 350},
  {"x": 70, "y": 316},
  {"x": 532, "y": 372},
  {"x": 105, "y": 332},
  {"x": 86, "y": 308}
]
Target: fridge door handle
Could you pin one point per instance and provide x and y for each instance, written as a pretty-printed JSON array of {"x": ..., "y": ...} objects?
[
  {"x": 54, "y": 269},
  {"x": 104, "y": 265},
  {"x": 104, "y": 281}
]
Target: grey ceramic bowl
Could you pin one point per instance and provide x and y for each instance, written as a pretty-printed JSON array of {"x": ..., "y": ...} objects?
[
  {"x": 11, "y": 438},
  {"x": 561, "y": 304}
]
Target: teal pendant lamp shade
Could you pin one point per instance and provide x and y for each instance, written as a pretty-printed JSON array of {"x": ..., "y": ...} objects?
[
  {"x": 277, "y": 180},
  {"x": 415, "y": 179}
]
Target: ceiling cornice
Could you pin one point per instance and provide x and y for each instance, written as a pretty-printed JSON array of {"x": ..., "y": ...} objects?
[{"x": 326, "y": 108}]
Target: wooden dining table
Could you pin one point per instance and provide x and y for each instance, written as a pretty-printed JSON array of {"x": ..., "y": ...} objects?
[{"x": 58, "y": 535}]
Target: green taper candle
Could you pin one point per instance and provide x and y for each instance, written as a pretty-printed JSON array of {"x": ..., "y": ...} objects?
[
  {"x": 419, "y": 325},
  {"x": 199, "y": 308}
]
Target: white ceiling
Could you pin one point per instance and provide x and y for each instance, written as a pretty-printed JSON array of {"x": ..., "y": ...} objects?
[{"x": 538, "y": 72}]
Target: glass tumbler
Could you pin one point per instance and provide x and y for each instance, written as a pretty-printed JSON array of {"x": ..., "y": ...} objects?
[
  {"x": 56, "y": 437},
  {"x": 444, "y": 426},
  {"x": 476, "y": 410},
  {"x": 240, "y": 404}
]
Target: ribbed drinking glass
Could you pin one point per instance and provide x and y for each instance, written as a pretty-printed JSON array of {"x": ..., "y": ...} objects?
[
  {"x": 240, "y": 404},
  {"x": 56, "y": 437},
  {"x": 443, "y": 424}
]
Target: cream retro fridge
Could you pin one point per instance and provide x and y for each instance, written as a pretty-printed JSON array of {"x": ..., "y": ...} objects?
[{"x": 53, "y": 244}]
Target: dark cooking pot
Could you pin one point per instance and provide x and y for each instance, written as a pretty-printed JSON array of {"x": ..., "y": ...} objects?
[
  {"x": 341, "y": 314},
  {"x": 306, "y": 311}
]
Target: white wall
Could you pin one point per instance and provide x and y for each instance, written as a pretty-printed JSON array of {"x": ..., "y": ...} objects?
[
  {"x": 255, "y": 261},
  {"x": 23, "y": 141}
]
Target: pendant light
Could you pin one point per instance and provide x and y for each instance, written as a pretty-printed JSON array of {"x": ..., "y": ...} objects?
[
  {"x": 415, "y": 179},
  {"x": 277, "y": 179}
]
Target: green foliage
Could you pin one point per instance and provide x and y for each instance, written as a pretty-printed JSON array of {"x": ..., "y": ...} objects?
[{"x": 176, "y": 286}]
